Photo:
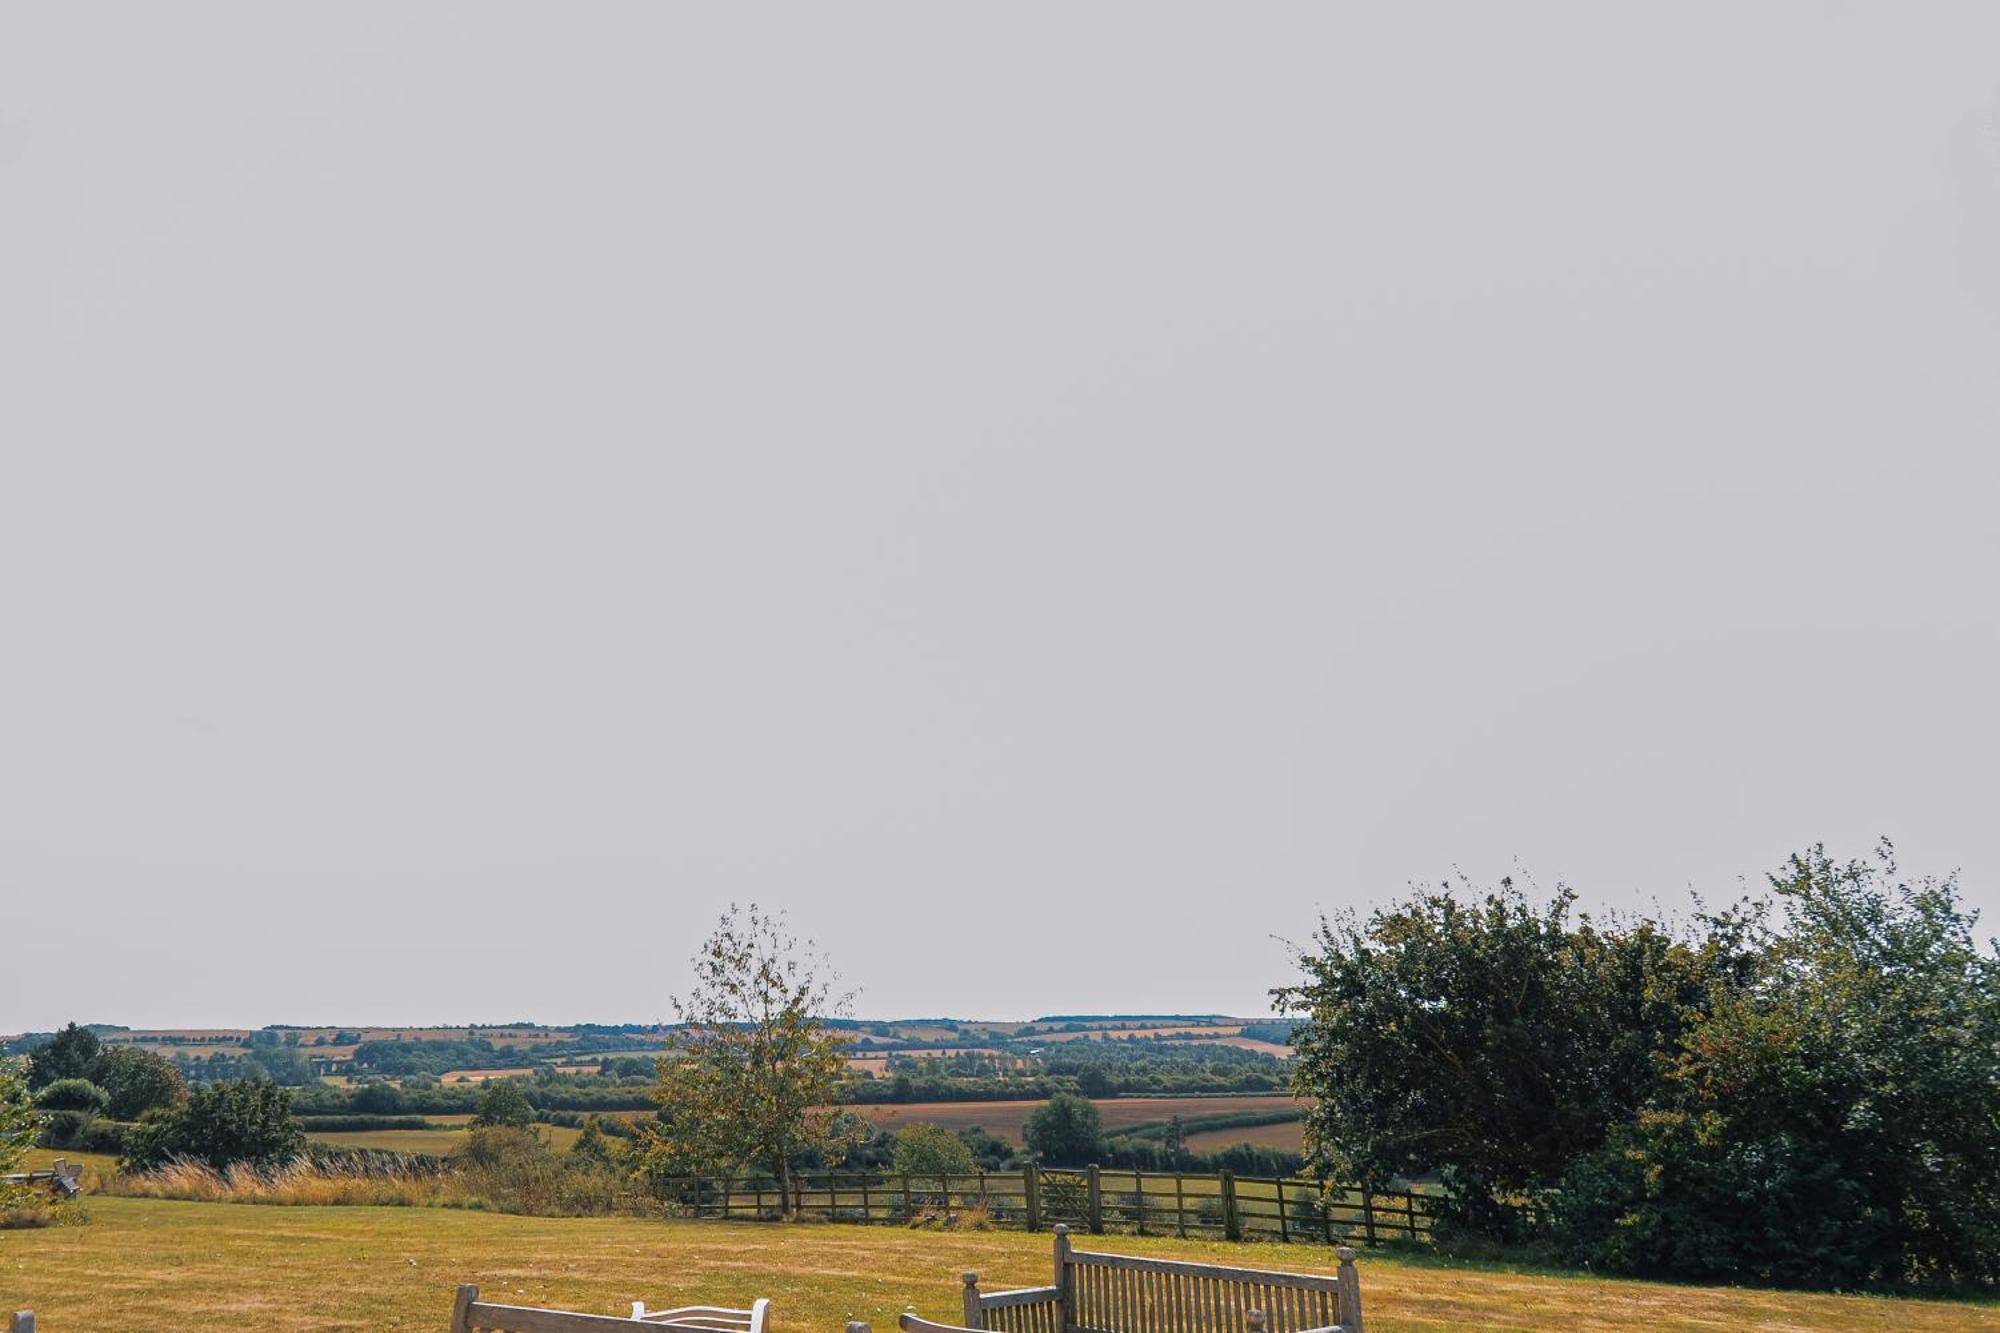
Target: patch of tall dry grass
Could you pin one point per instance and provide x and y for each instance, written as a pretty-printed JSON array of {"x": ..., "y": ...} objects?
[{"x": 301, "y": 1182}]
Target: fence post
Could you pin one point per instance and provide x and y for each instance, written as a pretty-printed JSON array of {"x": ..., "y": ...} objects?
[
  {"x": 1368, "y": 1213},
  {"x": 909, "y": 1202},
  {"x": 1284, "y": 1223},
  {"x": 972, "y": 1300},
  {"x": 1031, "y": 1196},
  {"x": 1232, "y": 1225},
  {"x": 1062, "y": 1275},
  {"x": 865, "y": 1218},
  {"x": 1180, "y": 1205},
  {"x": 1096, "y": 1201},
  {"x": 1347, "y": 1297}
]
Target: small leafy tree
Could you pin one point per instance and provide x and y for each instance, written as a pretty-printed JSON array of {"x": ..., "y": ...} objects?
[
  {"x": 503, "y": 1104},
  {"x": 1067, "y": 1131},
  {"x": 932, "y": 1150},
  {"x": 221, "y": 1125},
  {"x": 755, "y": 1066}
]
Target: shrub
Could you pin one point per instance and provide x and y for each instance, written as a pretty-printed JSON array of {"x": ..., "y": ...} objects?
[
  {"x": 932, "y": 1150},
  {"x": 73, "y": 1094},
  {"x": 220, "y": 1125},
  {"x": 503, "y": 1104}
]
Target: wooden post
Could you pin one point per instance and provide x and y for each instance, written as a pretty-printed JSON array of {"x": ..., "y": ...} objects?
[
  {"x": 1368, "y": 1213},
  {"x": 858, "y": 1326},
  {"x": 909, "y": 1201},
  {"x": 1031, "y": 1195},
  {"x": 1096, "y": 1201},
  {"x": 1232, "y": 1225},
  {"x": 1061, "y": 1280},
  {"x": 1347, "y": 1301},
  {"x": 1284, "y": 1223},
  {"x": 1180, "y": 1205},
  {"x": 461, "y": 1310},
  {"x": 865, "y": 1218},
  {"x": 22, "y": 1322},
  {"x": 972, "y": 1300}
]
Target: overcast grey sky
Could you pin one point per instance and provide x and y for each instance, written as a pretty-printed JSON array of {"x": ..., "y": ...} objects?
[{"x": 1053, "y": 495}]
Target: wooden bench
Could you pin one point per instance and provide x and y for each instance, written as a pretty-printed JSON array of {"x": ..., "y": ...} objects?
[
  {"x": 472, "y": 1315},
  {"x": 1118, "y": 1293},
  {"x": 64, "y": 1177},
  {"x": 708, "y": 1318}
]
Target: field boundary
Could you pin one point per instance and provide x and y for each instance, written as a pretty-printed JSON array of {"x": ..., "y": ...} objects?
[{"x": 1096, "y": 1199}]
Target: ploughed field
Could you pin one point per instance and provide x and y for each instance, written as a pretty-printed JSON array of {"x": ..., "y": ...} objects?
[{"x": 155, "y": 1264}]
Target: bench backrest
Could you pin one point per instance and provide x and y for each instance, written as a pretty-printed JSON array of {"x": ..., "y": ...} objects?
[
  {"x": 472, "y": 1315},
  {"x": 1120, "y": 1293},
  {"x": 708, "y": 1318}
]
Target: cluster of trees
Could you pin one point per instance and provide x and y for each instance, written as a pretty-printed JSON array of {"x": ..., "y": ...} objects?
[
  {"x": 1798, "y": 1090},
  {"x": 87, "y": 1092}
]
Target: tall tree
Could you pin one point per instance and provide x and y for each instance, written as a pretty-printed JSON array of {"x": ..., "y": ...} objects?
[
  {"x": 755, "y": 1068},
  {"x": 71, "y": 1053}
]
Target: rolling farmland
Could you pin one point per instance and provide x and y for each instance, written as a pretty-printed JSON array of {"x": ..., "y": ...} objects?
[{"x": 1120, "y": 1113}]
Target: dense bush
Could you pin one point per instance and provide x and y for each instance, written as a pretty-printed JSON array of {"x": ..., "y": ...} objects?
[
  {"x": 1831, "y": 1124},
  {"x": 73, "y": 1094},
  {"x": 221, "y": 1125},
  {"x": 83, "y": 1131}
]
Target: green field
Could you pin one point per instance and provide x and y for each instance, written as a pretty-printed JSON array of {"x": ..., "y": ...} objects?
[
  {"x": 1006, "y": 1119},
  {"x": 149, "y": 1264}
]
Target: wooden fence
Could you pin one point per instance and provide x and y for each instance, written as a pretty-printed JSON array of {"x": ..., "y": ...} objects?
[{"x": 1095, "y": 1199}]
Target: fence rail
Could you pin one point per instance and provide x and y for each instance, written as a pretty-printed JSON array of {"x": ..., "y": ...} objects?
[{"x": 1097, "y": 1199}]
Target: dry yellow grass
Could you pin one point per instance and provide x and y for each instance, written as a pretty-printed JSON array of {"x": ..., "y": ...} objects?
[{"x": 147, "y": 1264}]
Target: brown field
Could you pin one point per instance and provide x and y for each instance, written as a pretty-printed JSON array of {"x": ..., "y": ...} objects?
[
  {"x": 1006, "y": 1118},
  {"x": 154, "y": 1264},
  {"x": 1164, "y": 1030},
  {"x": 1252, "y": 1044},
  {"x": 483, "y": 1075}
]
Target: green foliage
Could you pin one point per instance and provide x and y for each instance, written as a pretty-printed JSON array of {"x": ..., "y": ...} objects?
[
  {"x": 1493, "y": 1041},
  {"x": 756, "y": 1066},
  {"x": 503, "y": 1103},
  {"x": 593, "y": 1144},
  {"x": 1833, "y": 1123},
  {"x": 932, "y": 1150},
  {"x": 1067, "y": 1131},
  {"x": 19, "y": 1120},
  {"x": 137, "y": 1081},
  {"x": 221, "y": 1125},
  {"x": 71, "y": 1053},
  {"x": 73, "y": 1094}
]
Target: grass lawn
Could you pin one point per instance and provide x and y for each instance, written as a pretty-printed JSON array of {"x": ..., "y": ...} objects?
[{"x": 146, "y": 1264}]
